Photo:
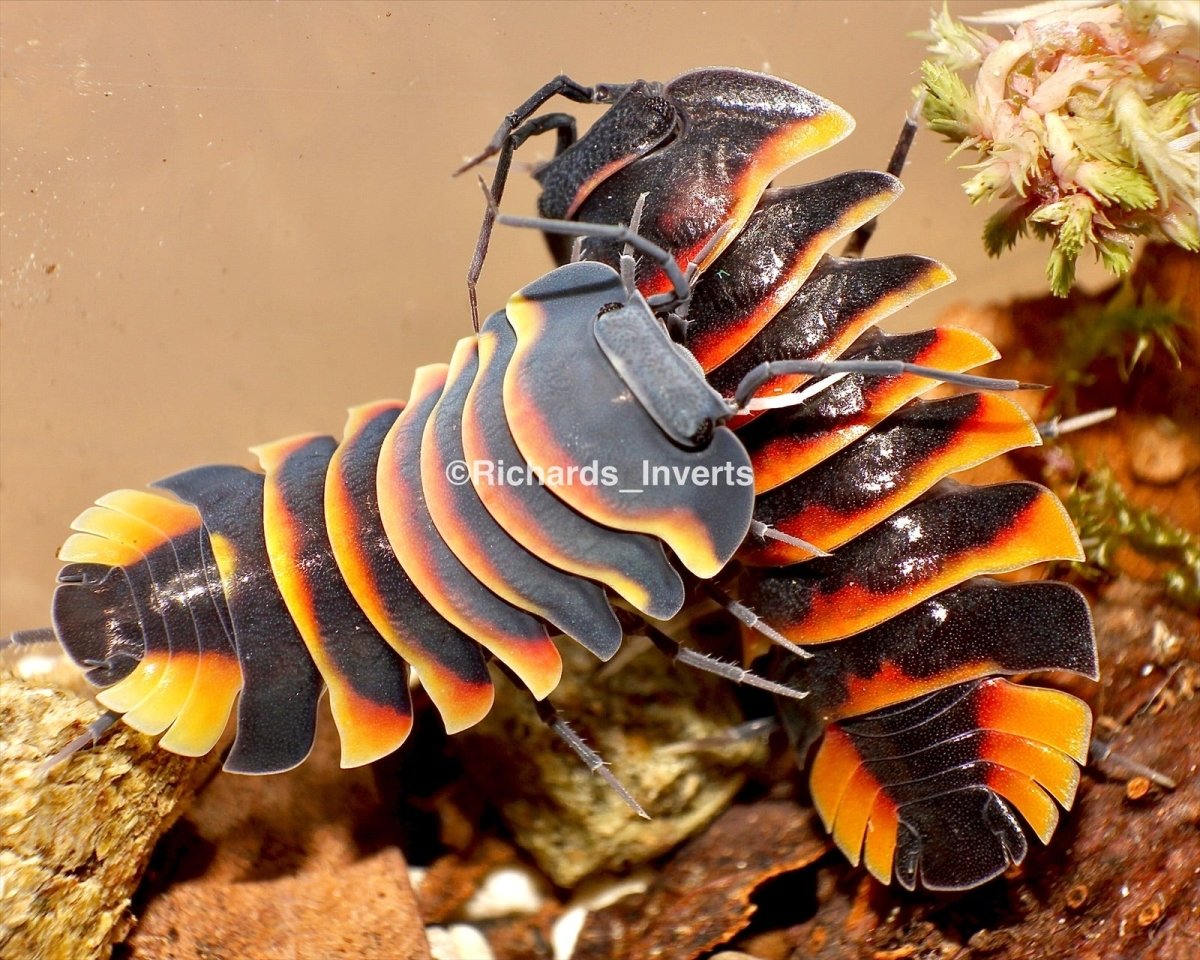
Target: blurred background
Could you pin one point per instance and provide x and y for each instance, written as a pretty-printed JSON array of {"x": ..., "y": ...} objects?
[{"x": 222, "y": 223}]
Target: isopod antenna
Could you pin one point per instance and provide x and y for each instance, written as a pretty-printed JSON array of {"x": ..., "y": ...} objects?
[
  {"x": 752, "y": 382},
  {"x": 857, "y": 244}
]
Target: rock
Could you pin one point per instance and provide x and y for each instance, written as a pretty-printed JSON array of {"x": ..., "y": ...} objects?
[
  {"x": 296, "y": 865},
  {"x": 1159, "y": 452},
  {"x": 569, "y": 820},
  {"x": 74, "y": 844}
]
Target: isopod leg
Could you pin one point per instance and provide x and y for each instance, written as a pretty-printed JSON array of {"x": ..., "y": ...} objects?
[
  {"x": 565, "y": 732},
  {"x": 728, "y": 671}
]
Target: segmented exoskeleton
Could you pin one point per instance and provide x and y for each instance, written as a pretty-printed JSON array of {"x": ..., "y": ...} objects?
[
  {"x": 927, "y": 755},
  {"x": 509, "y": 499}
]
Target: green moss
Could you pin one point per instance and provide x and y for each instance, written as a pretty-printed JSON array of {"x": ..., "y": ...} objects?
[
  {"x": 1126, "y": 330},
  {"x": 1108, "y": 521}
]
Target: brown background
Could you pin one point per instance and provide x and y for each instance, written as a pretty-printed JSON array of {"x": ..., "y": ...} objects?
[{"x": 224, "y": 223}]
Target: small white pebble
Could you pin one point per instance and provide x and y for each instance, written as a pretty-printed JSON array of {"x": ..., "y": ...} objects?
[
  {"x": 565, "y": 933},
  {"x": 458, "y": 942},
  {"x": 595, "y": 893},
  {"x": 35, "y": 666},
  {"x": 506, "y": 892},
  {"x": 599, "y": 892}
]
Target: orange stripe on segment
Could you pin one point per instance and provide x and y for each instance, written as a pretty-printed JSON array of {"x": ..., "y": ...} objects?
[
  {"x": 360, "y": 415},
  {"x": 217, "y": 682},
  {"x": 1031, "y": 800},
  {"x": 782, "y": 457},
  {"x": 503, "y": 502},
  {"x": 173, "y": 518},
  {"x": 679, "y": 529},
  {"x": 850, "y": 824},
  {"x": 439, "y": 497},
  {"x": 1051, "y": 768},
  {"x": 376, "y": 727},
  {"x": 538, "y": 664},
  {"x": 205, "y": 714},
  {"x": 126, "y": 694},
  {"x": 789, "y": 146},
  {"x": 935, "y": 276},
  {"x": 684, "y": 533},
  {"x": 460, "y": 704},
  {"x": 340, "y": 513},
  {"x": 1046, "y": 716},
  {"x": 714, "y": 350},
  {"x": 998, "y": 426},
  {"x": 831, "y": 770},
  {"x": 1042, "y": 531},
  {"x": 793, "y": 143},
  {"x": 368, "y": 730},
  {"x": 590, "y": 184},
  {"x": 160, "y": 709},
  {"x": 879, "y": 849},
  {"x": 891, "y": 686}
]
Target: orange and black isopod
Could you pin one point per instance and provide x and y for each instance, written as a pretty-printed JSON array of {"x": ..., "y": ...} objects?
[{"x": 347, "y": 563}]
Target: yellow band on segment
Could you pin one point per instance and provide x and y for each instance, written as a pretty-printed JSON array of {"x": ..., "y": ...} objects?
[
  {"x": 206, "y": 712},
  {"x": 87, "y": 548},
  {"x": 172, "y": 517},
  {"x": 126, "y": 694},
  {"x": 121, "y": 528},
  {"x": 226, "y": 558},
  {"x": 160, "y": 709},
  {"x": 161, "y": 706},
  {"x": 367, "y": 731}
]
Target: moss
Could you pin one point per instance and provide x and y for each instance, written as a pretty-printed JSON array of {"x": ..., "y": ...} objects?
[
  {"x": 1125, "y": 330},
  {"x": 1108, "y": 521}
]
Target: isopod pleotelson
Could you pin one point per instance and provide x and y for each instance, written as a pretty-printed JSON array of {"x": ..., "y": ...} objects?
[{"x": 505, "y": 502}]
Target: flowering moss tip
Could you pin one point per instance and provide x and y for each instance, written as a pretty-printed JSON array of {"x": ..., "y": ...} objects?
[{"x": 1086, "y": 120}]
